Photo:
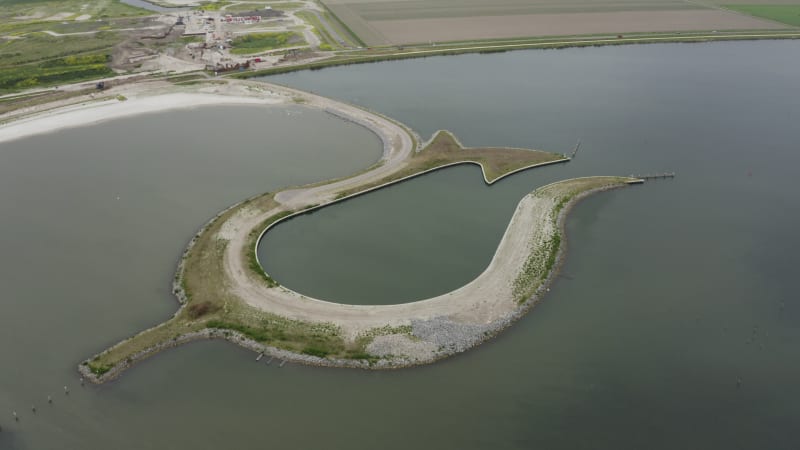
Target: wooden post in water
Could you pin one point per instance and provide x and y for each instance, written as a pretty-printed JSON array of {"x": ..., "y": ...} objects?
[{"x": 575, "y": 150}]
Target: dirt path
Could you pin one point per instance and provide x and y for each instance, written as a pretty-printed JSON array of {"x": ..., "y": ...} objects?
[{"x": 487, "y": 299}]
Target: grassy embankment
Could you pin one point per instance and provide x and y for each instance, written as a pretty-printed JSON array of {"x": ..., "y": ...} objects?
[
  {"x": 210, "y": 304},
  {"x": 542, "y": 260},
  {"x": 328, "y": 42},
  {"x": 444, "y": 149},
  {"x": 378, "y": 54},
  {"x": 345, "y": 31},
  {"x": 261, "y": 42},
  {"x": 31, "y": 58},
  {"x": 788, "y": 14}
]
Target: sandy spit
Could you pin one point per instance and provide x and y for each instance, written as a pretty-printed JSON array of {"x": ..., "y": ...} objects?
[{"x": 95, "y": 112}]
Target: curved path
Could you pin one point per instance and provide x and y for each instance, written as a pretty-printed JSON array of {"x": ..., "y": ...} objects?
[{"x": 488, "y": 298}]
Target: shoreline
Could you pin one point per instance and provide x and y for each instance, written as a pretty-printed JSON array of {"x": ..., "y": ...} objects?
[
  {"x": 492, "y": 330},
  {"x": 534, "y": 43},
  {"x": 391, "y": 336},
  {"x": 92, "y": 113}
]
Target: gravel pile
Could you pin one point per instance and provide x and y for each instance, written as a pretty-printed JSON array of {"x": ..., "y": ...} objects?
[{"x": 449, "y": 336}]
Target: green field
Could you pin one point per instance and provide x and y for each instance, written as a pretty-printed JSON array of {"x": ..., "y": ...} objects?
[
  {"x": 12, "y": 11},
  {"x": 41, "y": 60},
  {"x": 788, "y": 14},
  {"x": 29, "y": 57},
  {"x": 364, "y": 17},
  {"x": 405, "y": 22},
  {"x": 428, "y": 9},
  {"x": 259, "y": 42}
]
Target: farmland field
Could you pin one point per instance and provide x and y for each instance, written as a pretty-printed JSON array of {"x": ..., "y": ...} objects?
[
  {"x": 379, "y": 22},
  {"x": 788, "y": 14}
]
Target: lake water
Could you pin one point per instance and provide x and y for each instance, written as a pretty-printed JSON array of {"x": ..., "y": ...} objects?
[{"x": 674, "y": 323}]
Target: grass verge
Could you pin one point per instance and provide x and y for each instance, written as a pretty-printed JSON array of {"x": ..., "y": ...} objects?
[{"x": 444, "y": 149}]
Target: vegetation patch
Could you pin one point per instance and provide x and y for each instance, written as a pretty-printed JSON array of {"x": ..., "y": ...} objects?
[
  {"x": 788, "y": 14},
  {"x": 328, "y": 42},
  {"x": 67, "y": 69},
  {"x": 543, "y": 257},
  {"x": 444, "y": 149},
  {"x": 200, "y": 309},
  {"x": 98, "y": 369},
  {"x": 314, "y": 351},
  {"x": 365, "y": 338},
  {"x": 259, "y": 42},
  {"x": 252, "y": 259},
  {"x": 213, "y": 6},
  {"x": 280, "y": 332}
]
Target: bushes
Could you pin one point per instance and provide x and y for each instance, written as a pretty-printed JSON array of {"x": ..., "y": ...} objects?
[
  {"x": 314, "y": 351},
  {"x": 198, "y": 310},
  {"x": 60, "y": 70},
  {"x": 310, "y": 339},
  {"x": 257, "y": 42}
]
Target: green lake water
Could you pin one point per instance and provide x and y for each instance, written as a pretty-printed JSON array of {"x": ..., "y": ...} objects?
[{"x": 674, "y": 323}]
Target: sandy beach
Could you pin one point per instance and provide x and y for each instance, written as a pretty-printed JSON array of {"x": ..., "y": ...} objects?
[{"x": 99, "y": 111}]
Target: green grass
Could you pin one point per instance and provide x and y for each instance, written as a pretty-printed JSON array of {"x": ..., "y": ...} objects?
[
  {"x": 35, "y": 59},
  {"x": 444, "y": 149},
  {"x": 788, "y": 14},
  {"x": 252, "y": 261},
  {"x": 319, "y": 30},
  {"x": 9, "y": 104},
  {"x": 212, "y": 6},
  {"x": 301, "y": 337},
  {"x": 55, "y": 71},
  {"x": 39, "y": 47},
  {"x": 259, "y": 42},
  {"x": 543, "y": 259},
  {"x": 352, "y": 36},
  {"x": 42, "y": 10},
  {"x": 97, "y": 368}
]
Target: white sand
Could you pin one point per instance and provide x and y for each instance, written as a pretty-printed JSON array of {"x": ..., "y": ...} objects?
[{"x": 92, "y": 113}]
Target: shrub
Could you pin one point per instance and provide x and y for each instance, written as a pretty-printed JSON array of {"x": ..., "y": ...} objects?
[
  {"x": 314, "y": 351},
  {"x": 200, "y": 309}
]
